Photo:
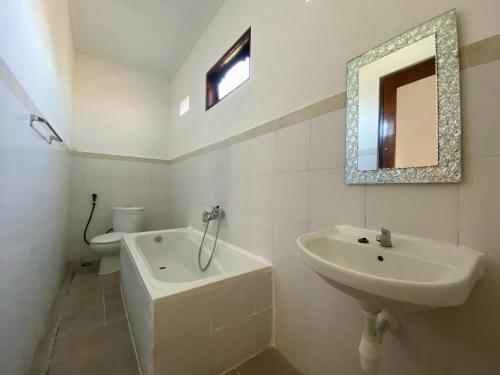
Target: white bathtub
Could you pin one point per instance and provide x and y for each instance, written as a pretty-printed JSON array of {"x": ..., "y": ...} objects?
[{"x": 185, "y": 321}]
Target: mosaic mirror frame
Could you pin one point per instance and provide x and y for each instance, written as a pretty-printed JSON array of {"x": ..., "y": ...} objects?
[{"x": 449, "y": 167}]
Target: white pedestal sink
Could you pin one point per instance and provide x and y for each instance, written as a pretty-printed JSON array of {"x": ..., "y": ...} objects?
[{"x": 416, "y": 274}]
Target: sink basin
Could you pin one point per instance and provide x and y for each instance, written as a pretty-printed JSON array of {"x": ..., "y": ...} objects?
[{"x": 416, "y": 274}]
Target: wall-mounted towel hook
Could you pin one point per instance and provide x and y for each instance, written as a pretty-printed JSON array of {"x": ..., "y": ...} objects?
[{"x": 53, "y": 137}]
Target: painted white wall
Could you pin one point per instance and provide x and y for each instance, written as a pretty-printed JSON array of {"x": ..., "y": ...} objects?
[
  {"x": 33, "y": 215},
  {"x": 36, "y": 75},
  {"x": 118, "y": 110},
  {"x": 36, "y": 44},
  {"x": 299, "y": 52}
]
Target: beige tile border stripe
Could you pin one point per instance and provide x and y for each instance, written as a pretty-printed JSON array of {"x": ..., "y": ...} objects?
[
  {"x": 95, "y": 155},
  {"x": 474, "y": 54},
  {"x": 481, "y": 52}
]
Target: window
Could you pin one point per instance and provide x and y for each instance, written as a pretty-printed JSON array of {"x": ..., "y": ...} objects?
[
  {"x": 230, "y": 72},
  {"x": 184, "y": 106}
]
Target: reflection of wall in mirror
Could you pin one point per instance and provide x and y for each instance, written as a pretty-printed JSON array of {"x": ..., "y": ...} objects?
[
  {"x": 369, "y": 92},
  {"x": 416, "y": 131}
]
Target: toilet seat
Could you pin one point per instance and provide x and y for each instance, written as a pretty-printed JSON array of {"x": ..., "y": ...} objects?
[{"x": 107, "y": 238}]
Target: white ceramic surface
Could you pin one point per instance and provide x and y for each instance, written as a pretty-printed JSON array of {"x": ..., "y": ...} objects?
[
  {"x": 184, "y": 320},
  {"x": 415, "y": 274},
  {"x": 128, "y": 219},
  {"x": 107, "y": 245}
]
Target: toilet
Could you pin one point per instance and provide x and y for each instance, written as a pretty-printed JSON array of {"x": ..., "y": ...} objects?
[{"x": 125, "y": 220}]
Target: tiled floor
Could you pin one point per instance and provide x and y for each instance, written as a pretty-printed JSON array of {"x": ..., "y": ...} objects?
[
  {"x": 92, "y": 335},
  {"x": 269, "y": 362},
  {"x": 88, "y": 333}
]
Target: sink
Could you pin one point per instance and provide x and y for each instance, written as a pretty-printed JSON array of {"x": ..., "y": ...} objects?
[{"x": 415, "y": 274}]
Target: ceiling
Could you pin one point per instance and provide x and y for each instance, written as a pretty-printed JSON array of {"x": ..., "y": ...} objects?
[{"x": 153, "y": 36}]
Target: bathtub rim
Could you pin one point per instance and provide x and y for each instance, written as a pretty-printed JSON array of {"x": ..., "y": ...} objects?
[{"x": 159, "y": 289}]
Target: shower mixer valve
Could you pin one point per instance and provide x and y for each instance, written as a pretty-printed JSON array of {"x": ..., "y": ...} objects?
[{"x": 215, "y": 213}]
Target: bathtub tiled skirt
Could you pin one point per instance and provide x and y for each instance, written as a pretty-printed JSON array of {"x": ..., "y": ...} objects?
[{"x": 88, "y": 333}]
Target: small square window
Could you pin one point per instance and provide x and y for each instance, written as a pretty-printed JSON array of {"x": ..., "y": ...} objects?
[
  {"x": 184, "y": 106},
  {"x": 230, "y": 72}
]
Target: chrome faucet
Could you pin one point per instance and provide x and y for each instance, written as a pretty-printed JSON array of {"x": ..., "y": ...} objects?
[
  {"x": 214, "y": 213},
  {"x": 385, "y": 238}
]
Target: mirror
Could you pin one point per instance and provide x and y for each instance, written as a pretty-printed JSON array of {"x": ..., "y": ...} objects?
[{"x": 403, "y": 108}]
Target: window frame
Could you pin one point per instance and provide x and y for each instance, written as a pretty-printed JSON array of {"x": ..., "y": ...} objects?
[{"x": 221, "y": 67}]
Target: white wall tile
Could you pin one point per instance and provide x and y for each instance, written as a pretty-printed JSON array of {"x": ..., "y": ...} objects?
[
  {"x": 117, "y": 183},
  {"x": 160, "y": 173},
  {"x": 481, "y": 112},
  {"x": 238, "y": 159},
  {"x": 186, "y": 345},
  {"x": 333, "y": 202},
  {"x": 262, "y": 285},
  {"x": 264, "y": 330},
  {"x": 222, "y": 165},
  {"x": 233, "y": 301},
  {"x": 290, "y": 195},
  {"x": 292, "y": 148},
  {"x": 95, "y": 168},
  {"x": 290, "y": 295},
  {"x": 139, "y": 170},
  {"x": 328, "y": 140},
  {"x": 206, "y": 166},
  {"x": 422, "y": 210},
  {"x": 480, "y": 205},
  {"x": 261, "y": 154},
  {"x": 99, "y": 186},
  {"x": 332, "y": 327},
  {"x": 236, "y": 227},
  {"x": 471, "y": 322},
  {"x": 233, "y": 345},
  {"x": 260, "y": 235},
  {"x": 311, "y": 316},
  {"x": 120, "y": 169},
  {"x": 260, "y": 194},
  {"x": 238, "y": 193}
]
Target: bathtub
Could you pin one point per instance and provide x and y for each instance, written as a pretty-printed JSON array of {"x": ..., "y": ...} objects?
[{"x": 184, "y": 321}]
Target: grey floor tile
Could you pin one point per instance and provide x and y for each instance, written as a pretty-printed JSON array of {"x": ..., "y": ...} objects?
[
  {"x": 109, "y": 365},
  {"x": 113, "y": 305},
  {"x": 87, "y": 267},
  {"x": 80, "y": 321},
  {"x": 83, "y": 281},
  {"x": 113, "y": 297},
  {"x": 109, "y": 340},
  {"x": 271, "y": 362},
  {"x": 111, "y": 278},
  {"x": 81, "y": 289},
  {"x": 91, "y": 302},
  {"x": 89, "y": 340}
]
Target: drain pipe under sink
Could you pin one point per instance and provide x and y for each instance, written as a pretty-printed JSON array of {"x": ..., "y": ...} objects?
[{"x": 375, "y": 324}]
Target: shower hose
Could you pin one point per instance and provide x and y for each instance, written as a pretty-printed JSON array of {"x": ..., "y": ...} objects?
[
  {"x": 94, "y": 199},
  {"x": 204, "y": 267}
]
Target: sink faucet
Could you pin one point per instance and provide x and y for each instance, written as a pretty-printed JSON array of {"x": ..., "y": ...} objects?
[{"x": 385, "y": 238}]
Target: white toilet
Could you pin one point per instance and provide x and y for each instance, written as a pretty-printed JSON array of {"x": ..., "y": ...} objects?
[{"x": 125, "y": 220}]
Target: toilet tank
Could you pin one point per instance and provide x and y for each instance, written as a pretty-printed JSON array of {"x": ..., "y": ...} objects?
[{"x": 128, "y": 219}]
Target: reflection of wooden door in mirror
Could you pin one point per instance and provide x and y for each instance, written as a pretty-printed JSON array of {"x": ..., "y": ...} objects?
[{"x": 388, "y": 107}]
